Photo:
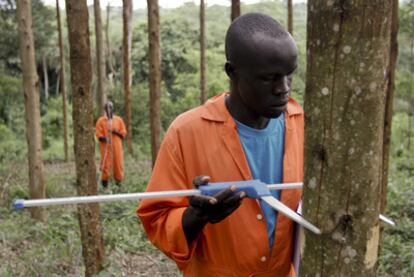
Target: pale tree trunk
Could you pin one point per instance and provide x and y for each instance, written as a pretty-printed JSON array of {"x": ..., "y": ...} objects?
[
  {"x": 63, "y": 81},
  {"x": 31, "y": 106},
  {"x": 410, "y": 123},
  {"x": 81, "y": 78},
  {"x": 235, "y": 9},
  {"x": 127, "y": 42},
  {"x": 108, "y": 43},
  {"x": 389, "y": 104},
  {"x": 45, "y": 77},
  {"x": 100, "y": 59},
  {"x": 202, "y": 54},
  {"x": 154, "y": 75},
  {"x": 290, "y": 16},
  {"x": 348, "y": 44}
]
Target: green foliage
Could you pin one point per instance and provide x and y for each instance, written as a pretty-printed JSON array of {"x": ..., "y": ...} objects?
[{"x": 43, "y": 31}]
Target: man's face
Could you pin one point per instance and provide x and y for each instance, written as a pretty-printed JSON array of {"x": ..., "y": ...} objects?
[{"x": 263, "y": 76}]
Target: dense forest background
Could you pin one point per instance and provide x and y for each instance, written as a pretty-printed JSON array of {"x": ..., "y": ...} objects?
[{"x": 30, "y": 249}]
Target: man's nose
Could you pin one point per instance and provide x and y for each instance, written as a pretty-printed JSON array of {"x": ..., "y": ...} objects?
[{"x": 282, "y": 85}]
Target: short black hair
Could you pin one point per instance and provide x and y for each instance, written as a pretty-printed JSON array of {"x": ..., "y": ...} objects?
[{"x": 244, "y": 27}]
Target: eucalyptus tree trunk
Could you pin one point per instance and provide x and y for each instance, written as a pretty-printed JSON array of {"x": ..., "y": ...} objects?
[
  {"x": 31, "y": 106},
  {"x": 127, "y": 42},
  {"x": 108, "y": 43},
  {"x": 348, "y": 49},
  {"x": 202, "y": 53},
  {"x": 154, "y": 75},
  {"x": 63, "y": 83},
  {"x": 100, "y": 59},
  {"x": 235, "y": 9},
  {"x": 81, "y": 78},
  {"x": 45, "y": 77},
  {"x": 389, "y": 103},
  {"x": 290, "y": 16}
]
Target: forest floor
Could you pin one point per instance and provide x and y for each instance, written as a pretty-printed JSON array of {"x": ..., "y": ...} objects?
[{"x": 29, "y": 248}]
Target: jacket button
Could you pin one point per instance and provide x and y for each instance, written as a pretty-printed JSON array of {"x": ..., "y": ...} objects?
[
  {"x": 259, "y": 217},
  {"x": 263, "y": 259}
]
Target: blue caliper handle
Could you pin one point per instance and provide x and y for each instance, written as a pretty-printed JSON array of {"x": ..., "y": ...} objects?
[{"x": 253, "y": 188}]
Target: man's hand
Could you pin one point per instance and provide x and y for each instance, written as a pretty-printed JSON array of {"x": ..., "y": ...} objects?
[
  {"x": 209, "y": 209},
  {"x": 116, "y": 132}
]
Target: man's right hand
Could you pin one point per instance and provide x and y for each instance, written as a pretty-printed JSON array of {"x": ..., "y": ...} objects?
[{"x": 209, "y": 209}]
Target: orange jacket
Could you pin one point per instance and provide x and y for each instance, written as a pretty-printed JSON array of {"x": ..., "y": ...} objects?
[
  {"x": 111, "y": 151},
  {"x": 204, "y": 141}
]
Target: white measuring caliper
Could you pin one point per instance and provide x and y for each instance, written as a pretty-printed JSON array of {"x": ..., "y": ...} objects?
[{"x": 253, "y": 189}]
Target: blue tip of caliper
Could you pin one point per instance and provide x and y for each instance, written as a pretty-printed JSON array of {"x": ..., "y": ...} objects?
[
  {"x": 18, "y": 204},
  {"x": 252, "y": 188}
]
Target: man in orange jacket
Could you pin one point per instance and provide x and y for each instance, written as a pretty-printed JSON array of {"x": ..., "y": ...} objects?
[
  {"x": 111, "y": 131},
  {"x": 254, "y": 132}
]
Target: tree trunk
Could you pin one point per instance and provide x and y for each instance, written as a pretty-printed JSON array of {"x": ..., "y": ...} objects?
[
  {"x": 127, "y": 42},
  {"x": 290, "y": 16},
  {"x": 100, "y": 59},
  {"x": 154, "y": 75},
  {"x": 348, "y": 44},
  {"x": 108, "y": 43},
  {"x": 410, "y": 124},
  {"x": 31, "y": 106},
  {"x": 235, "y": 9},
  {"x": 81, "y": 78},
  {"x": 63, "y": 83},
  {"x": 45, "y": 77},
  {"x": 389, "y": 104},
  {"x": 202, "y": 54}
]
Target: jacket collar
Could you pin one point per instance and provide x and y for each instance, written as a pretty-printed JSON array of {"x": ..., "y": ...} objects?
[{"x": 215, "y": 108}]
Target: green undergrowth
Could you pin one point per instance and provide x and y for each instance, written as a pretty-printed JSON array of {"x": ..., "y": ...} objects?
[{"x": 30, "y": 248}]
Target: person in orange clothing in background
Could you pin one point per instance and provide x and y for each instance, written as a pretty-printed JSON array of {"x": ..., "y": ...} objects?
[
  {"x": 255, "y": 131},
  {"x": 111, "y": 131}
]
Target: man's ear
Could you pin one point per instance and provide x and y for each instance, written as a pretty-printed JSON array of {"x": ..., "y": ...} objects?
[{"x": 229, "y": 68}]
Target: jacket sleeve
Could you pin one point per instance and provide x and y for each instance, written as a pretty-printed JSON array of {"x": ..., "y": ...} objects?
[
  {"x": 122, "y": 129},
  {"x": 99, "y": 129},
  {"x": 162, "y": 218}
]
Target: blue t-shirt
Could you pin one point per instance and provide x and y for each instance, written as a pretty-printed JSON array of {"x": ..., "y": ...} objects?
[{"x": 264, "y": 150}]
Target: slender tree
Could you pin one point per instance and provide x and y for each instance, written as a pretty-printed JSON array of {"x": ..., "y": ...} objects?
[
  {"x": 235, "y": 9},
  {"x": 348, "y": 44},
  {"x": 31, "y": 106},
  {"x": 108, "y": 43},
  {"x": 81, "y": 78},
  {"x": 45, "y": 77},
  {"x": 154, "y": 75},
  {"x": 100, "y": 59},
  {"x": 290, "y": 16},
  {"x": 127, "y": 42},
  {"x": 202, "y": 54},
  {"x": 62, "y": 79}
]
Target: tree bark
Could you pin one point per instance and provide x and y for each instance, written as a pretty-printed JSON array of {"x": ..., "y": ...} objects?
[
  {"x": 389, "y": 103},
  {"x": 127, "y": 43},
  {"x": 81, "y": 78},
  {"x": 290, "y": 16},
  {"x": 45, "y": 77},
  {"x": 348, "y": 44},
  {"x": 63, "y": 83},
  {"x": 100, "y": 59},
  {"x": 154, "y": 75},
  {"x": 31, "y": 106},
  {"x": 235, "y": 9},
  {"x": 202, "y": 54},
  {"x": 108, "y": 43}
]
